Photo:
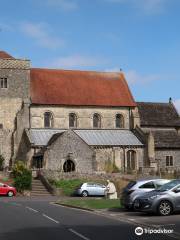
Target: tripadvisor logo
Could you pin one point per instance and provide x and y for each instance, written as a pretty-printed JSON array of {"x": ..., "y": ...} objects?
[{"x": 139, "y": 231}]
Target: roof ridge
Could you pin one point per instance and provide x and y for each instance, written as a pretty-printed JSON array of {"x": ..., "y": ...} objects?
[
  {"x": 77, "y": 70},
  {"x": 154, "y": 102}
]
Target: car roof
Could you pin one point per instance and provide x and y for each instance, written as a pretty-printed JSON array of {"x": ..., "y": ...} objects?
[
  {"x": 152, "y": 179},
  {"x": 93, "y": 183},
  {"x": 138, "y": 182}
]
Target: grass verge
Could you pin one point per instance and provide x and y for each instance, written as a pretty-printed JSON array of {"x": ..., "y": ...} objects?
[{"x": 92, "y": 203}]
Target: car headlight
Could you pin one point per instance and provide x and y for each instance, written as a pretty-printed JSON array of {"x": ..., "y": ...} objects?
[{"x": 153, "y": 197}]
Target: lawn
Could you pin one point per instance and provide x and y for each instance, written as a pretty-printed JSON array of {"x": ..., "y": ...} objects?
[
  {"x": 68, "y": 186},
  {"x": 92, "y": 203}
]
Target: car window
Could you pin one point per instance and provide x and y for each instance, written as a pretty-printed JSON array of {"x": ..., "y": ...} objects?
[
  {"x": 178, "y": 187},
  {"x": 159, "y": 183},
  {"x": 90, "y": 184},
  {"x": 148, "y": 185},
  {"x": 99, "y": 185},
  {"x": 169, "y": 185},
  {"x": 131, "y": 184},
  {"x": 1, "y": 184}
]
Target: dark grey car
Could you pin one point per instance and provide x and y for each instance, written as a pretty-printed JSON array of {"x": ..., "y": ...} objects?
[{"x": 163, "y": 201}]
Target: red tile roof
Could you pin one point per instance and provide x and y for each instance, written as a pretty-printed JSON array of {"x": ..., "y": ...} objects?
[
  {"x": 5, "y": 55},
  {"x": 80, "y": 88}
]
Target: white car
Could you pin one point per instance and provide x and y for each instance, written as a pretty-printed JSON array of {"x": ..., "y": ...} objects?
[{"x": 91, "y": 189}]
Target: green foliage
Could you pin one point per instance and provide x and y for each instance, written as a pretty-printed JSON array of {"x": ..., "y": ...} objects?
[
  {"x": 18, "y": 168},
  {"x": 110, "y": 167},
  {"x": 68, "y": 186},
  {"x": 22, "y": 177},
  {"x": 1, "y": 162}
]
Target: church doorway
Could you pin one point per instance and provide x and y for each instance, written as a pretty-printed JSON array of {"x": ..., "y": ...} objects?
[
  {"x": 69, "y": 166},
  {"x": 131, "y": 160},
  {"x": 37, "y": 162}
]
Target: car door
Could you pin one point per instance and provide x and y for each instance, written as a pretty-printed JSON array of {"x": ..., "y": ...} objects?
[
  {"x": 3, "y": 189},
  {"x": 100, "y": 189},
  {"x": 91, "y": 188}
]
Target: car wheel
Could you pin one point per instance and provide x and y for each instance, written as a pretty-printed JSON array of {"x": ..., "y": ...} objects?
[
  {"x": 10, "y": 194},
  {"x": 165, "y": 208},
  {"x": 84, "y": 194}
]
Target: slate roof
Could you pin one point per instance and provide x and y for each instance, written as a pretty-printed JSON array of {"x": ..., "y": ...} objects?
[
  {"x": 158, "y": 114},
  {"x": 4, "y": 55},
  {"x": 102, "y": 137},
  {"x": 41, "y": 137},
  {"x": 111, "y": 137},
  {"x": 167, "y": 139},
  {"x": 79, "y": 88}
]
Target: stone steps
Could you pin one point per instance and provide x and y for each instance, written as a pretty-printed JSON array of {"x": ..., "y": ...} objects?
[{"x": 38, "y": 189}]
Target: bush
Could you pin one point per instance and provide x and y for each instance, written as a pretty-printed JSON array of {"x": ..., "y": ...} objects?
[
  {"x": 22, "y": 177},
  {"x": 110, "y": 167},
  {"x": 1, "y": 162}
]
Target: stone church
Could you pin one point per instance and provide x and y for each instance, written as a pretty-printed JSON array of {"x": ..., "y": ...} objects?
[{"x": 83, "y": 121}]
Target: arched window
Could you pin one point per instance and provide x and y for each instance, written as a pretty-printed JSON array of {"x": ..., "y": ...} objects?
[
  {"x": 131, "y": 160},
  {"x": 72, "y": 120},
  {"x": 119, "y": 121},
  {"x": 96, "y": 121},
  {"x": 69, "y": 166},
  {"x": 48, "y": 120}
]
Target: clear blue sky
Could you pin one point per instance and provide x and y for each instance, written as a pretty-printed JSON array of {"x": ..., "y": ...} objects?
[{"x": 142, "y": 37}]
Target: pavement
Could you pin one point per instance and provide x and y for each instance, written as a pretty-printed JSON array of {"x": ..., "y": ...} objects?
[{"x": 39, "y": 218}]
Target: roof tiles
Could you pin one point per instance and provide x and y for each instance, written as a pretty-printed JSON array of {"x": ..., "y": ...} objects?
[
  {"x": 80, "y": 88},
  {"x": 4, "y": 55},
  {"x": 158, "y": 114}
]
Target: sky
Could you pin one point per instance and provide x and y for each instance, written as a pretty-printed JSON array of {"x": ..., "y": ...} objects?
[{"x": 139, "y": 37}]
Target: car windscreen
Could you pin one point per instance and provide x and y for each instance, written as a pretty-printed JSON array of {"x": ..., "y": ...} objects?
[
  {"x": 169, "y": 185},
  {"x": 159, "y": 183}
]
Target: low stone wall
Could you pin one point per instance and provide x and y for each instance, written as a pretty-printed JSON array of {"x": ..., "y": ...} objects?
[
  {"x": 4, "y": 174},
  {"x": 120, "y": 180},
  {"x": 57, "y": 175}
]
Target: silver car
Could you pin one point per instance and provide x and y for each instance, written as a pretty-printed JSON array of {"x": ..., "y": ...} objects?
[
  {"x": 137, "y": 188},
  {"x": 91, "y": 189},
  {"x": 163, "y": 201}
]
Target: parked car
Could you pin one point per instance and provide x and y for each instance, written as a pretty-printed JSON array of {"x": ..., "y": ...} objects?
[
  {"x": 163, "y": 201},
  {"x": 7, "y": 190},
  {"x": 137, "y": 188},
  {"x": 91, "y": 189}
]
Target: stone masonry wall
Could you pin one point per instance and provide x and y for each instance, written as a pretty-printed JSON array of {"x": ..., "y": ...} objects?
[
  {"x": 14, "y": 64},
  {"x": 160, "y": 155},
  {"x": 117, "y": 155},
  {"x": 8, "y": 110},
  {"x": 5, "y": 145},
  {"x": 69, "y": 143},
  {"x": 17, "y": 73},
  {"x": 84, "y": 116}
]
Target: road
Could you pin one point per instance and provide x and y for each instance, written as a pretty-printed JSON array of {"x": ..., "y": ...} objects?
[{"x": 36, "y": 219}]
